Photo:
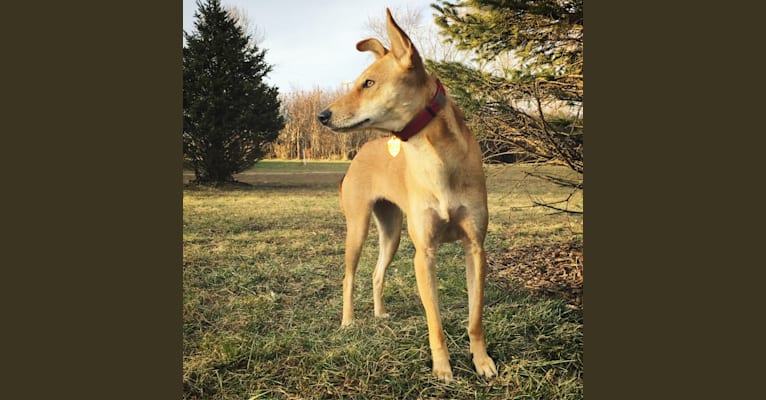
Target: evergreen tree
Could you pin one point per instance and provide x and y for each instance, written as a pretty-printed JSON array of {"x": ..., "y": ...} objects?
[
  {"x": 506, "y": 103},
  {"x": 229, "y": 113},
  {"x": 545, "y": 35}
]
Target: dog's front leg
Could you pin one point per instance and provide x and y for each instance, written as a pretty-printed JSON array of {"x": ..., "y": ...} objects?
[
  {"x": 425, "y": 273},
  {"x": 476, "y": 271}
]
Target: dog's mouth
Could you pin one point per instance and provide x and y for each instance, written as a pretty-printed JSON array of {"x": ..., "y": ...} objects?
[{"x": 352, "y": 127}]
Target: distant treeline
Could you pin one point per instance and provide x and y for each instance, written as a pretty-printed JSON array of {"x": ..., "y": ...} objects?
[{"x": 303, "y": 137}]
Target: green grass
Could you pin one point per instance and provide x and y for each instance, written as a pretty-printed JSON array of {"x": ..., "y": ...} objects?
[{"x": 262, "y": 299}]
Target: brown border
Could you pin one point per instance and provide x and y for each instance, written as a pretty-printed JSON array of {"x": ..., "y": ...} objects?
[
  {"x": 614, "y": 328},
  {"x": 92, "y": 156},
  {"x": 654, "y": 292}
]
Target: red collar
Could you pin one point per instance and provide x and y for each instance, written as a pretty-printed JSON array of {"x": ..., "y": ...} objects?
[{"x": 425, "y": 116}]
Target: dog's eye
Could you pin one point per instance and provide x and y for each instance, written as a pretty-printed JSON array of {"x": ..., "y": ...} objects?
[{"x": 368, "y": 83}]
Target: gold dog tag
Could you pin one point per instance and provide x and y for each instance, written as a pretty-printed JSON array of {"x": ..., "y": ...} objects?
[{"x": 394, "y": 144}]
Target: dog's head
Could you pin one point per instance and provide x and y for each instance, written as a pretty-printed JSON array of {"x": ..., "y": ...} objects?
[{"x": 388, "y": 93}]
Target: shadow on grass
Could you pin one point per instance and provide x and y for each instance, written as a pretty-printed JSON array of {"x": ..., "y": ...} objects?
[
  {"x": 277, "y": 181},
  {"x": 258, "y": 186}
]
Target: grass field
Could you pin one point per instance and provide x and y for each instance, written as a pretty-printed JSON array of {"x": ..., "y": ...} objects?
[{"x": 262, "y": 273}]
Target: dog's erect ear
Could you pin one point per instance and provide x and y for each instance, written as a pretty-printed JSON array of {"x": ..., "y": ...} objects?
[
  {"x": 372, "y": 45},
  {"x": 401, "y": 45}
]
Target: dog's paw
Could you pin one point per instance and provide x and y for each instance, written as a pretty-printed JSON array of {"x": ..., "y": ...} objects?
[
  {"x": 347, "y": 323},
  {"x": 485, "y": 366},
  {"x": 443, "y": 371},
  {"x": 384, "y": 315}
]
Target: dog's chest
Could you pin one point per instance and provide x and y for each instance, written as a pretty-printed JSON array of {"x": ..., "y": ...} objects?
[
  {"x": 443, "y": 186},
  {"x": 446, "y": 198}
]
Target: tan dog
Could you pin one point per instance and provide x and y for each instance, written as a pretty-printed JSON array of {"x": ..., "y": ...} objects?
[{"x": 432, "y": 170}]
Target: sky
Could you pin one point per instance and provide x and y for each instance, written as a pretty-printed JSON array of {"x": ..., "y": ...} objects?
[{"x": 312, "y": 43}]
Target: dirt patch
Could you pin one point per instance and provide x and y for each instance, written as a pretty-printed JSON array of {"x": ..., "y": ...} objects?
[{"x": 548, "y": 269}]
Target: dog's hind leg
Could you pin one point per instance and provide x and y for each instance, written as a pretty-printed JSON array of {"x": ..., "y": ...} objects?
[
  {"x": 388, "y": 218},
  {"x": 357, "y": 226}
]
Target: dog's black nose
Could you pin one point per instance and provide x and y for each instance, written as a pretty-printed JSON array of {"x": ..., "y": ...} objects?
[{"x": 324, "y": 116}]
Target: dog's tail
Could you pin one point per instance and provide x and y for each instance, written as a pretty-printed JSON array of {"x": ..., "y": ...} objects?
[{"x": 340, "y": 193}]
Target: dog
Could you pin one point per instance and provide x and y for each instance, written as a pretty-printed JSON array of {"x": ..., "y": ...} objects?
[{"x": 430, "y": 168}]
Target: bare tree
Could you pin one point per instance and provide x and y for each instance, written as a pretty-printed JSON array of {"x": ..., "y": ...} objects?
[
  {"x": 256, "y": 34},
  {"x": 423, "y": 33},
  {"x": 409, "y": 19},
  {"x": 304, "y": 138}
]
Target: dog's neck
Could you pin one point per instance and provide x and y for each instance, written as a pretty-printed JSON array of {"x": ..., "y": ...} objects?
[
  {"x": 424, "y": 117},
  {"x": 443, "y": 142},
  {"x": 442, "y": 153},
  {"x": 447, "y": 130}
]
